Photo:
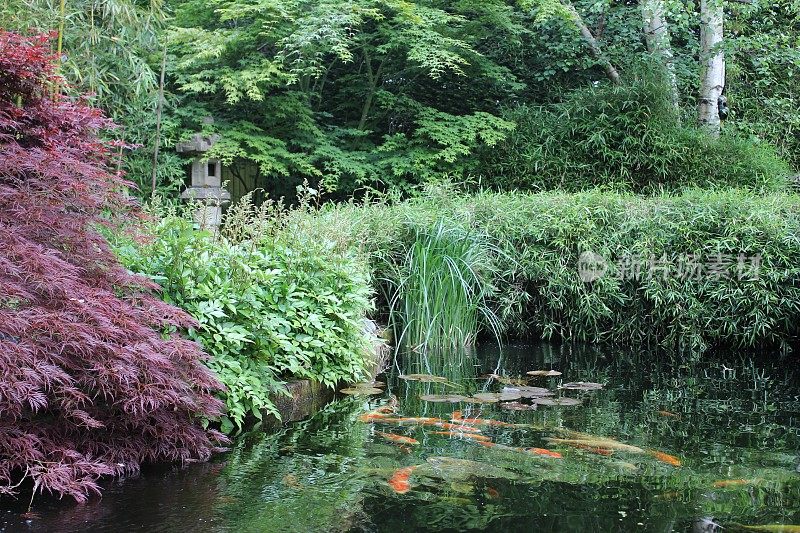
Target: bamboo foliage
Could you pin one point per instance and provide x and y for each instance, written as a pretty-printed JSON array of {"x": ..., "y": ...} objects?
[{"x": 104, "y": 44}]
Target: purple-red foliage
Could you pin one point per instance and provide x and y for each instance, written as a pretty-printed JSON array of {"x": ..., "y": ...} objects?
[{"x": 89, "y": 386}]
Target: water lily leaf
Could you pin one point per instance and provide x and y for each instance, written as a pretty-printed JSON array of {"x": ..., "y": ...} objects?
[
  {"x": 361, "y": 391},
  {"x": 507, "y": 380},
  {"x": 582, "y": 385},
  {"x": 424, "y": 378},
  {"x": 442, "y": 398},
  {"x": 548, "y": 373},
  {"x": 477, "y": 401},
  {"x": 560, "y": 402},
  {"x": 369, "y": 384},
  {"x": 517, "y": 406},
  {"x": 497, "y": 396},
  {"x": 528, "y": 392}
]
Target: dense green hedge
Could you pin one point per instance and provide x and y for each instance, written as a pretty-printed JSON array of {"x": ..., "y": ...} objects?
[
  {"x": 537, "y": 289},
  {"x": 267, "y": 310},
  {"x": 626, "y": 138}
]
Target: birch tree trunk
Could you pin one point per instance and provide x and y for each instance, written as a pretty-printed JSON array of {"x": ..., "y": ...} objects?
[
  {"x": 597, "y": 51},
  {"x": 712, "y": 60},
  {"x": 656, "y": 34}
]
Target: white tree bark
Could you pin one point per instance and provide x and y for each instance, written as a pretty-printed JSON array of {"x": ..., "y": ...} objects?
[
  {"x": 594, "y": 45},
  {"x": 656, "y": 34},
  {"x": 712, "y": 60}
]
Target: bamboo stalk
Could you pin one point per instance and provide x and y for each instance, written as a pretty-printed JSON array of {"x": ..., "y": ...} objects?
[
  {"x": 158, "y": 120},
  {"x": 59, "y": 48}
]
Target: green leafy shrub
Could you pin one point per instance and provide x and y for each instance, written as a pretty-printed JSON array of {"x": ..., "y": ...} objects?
[
  {"x": 540, "y": 237},
  {"x": 627, "y": 138},
  {"x": 268, "y": 309}
]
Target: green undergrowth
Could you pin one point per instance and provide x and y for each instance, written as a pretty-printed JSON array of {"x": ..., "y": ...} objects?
[
  {"x": 625, "y": 138},
  {"x": 699, "y": 269},
  {"x": 269, "y": 305}
]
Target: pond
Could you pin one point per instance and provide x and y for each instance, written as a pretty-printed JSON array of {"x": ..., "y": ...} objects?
[{"x": 667, "y": 444}]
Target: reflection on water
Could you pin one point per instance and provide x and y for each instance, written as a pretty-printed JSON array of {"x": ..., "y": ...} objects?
[{"x": 734, "y": 427}]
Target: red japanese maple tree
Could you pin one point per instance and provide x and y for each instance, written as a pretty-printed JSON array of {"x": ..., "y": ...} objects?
[{"x": 89, "y": 383}]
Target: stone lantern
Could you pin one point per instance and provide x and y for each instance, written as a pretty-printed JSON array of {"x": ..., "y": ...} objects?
[{"x": 206, "y": 190}]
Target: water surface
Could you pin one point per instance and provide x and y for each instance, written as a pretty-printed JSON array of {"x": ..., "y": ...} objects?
[{"x": 732, "y": 422}]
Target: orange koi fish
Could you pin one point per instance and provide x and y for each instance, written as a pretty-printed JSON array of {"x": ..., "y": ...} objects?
[
  {"x": 666, "y": 458},
  {"x": 373, "y": 416},
  {"x": 400, "y": 480},
  {"x": 669, "y": 414},
  {"x": 400, "y": 439},
  {"x": 722, "y": 483},
  {"x": 385, "y": 409},
  {"x": 594, "y": 449},
  {"x": 461, "y": 435},
  {"x": 388, "y": 419},
  {"x": 492, "y": 493},
  {"x": 416, "y": 420},
  {"x": 456, "y": 427},
  {"x": 543, "y": 451},
  {"x": 456, "y": 417}
]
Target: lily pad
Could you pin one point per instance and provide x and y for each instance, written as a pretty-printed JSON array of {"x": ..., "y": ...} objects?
[
  {"x": 528, "y": 392},
  {"x": 493, "y": 397},
  {"x": 477, "y": 401},
  {"x": 582, "y": 385},
  {"x": 507, "y": 380},
  {"x": 442, "y": 398},
  {"x": 369, "y": 384},
  {"x": 560, "y": 402},
  {"x": 547, "y": 373},
  {"x": 517, "y": 406},
  {"x": 361, "y": 391},
  {"x": 424, "y": 378}
]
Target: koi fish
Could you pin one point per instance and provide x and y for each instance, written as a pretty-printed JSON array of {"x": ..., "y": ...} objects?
[
  {"x": 669, "y": 414},
  {"x": 492, "y": 493},
  {"x": 400, "y": 439},
  {"x": 373, "y": 416},
  {"x": 388, "y": 419},
  {"x": 417, "y": 420},
  {"x": 456, "y": 427},
  {"x": 606, "y": 443},
  {"x": 489, "y": 444},
  {"x": 593, "y": 449},
  {"x": 722, "y": 483},
  {"x": 385, "y": 409},
  {"x": 459, "y": 434},
  {"x": 400, "y": 480},
  {"x": 456, "y": 417},
  {"x": 666, "y": 458},
  {"x": 543, "y": 451}
]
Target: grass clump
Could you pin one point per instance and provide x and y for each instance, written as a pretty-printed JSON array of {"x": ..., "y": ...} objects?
[{"x": 439, "y": 286}]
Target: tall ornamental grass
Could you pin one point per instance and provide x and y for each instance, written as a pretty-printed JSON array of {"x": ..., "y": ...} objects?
[{"x": 439, "y": 287}]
